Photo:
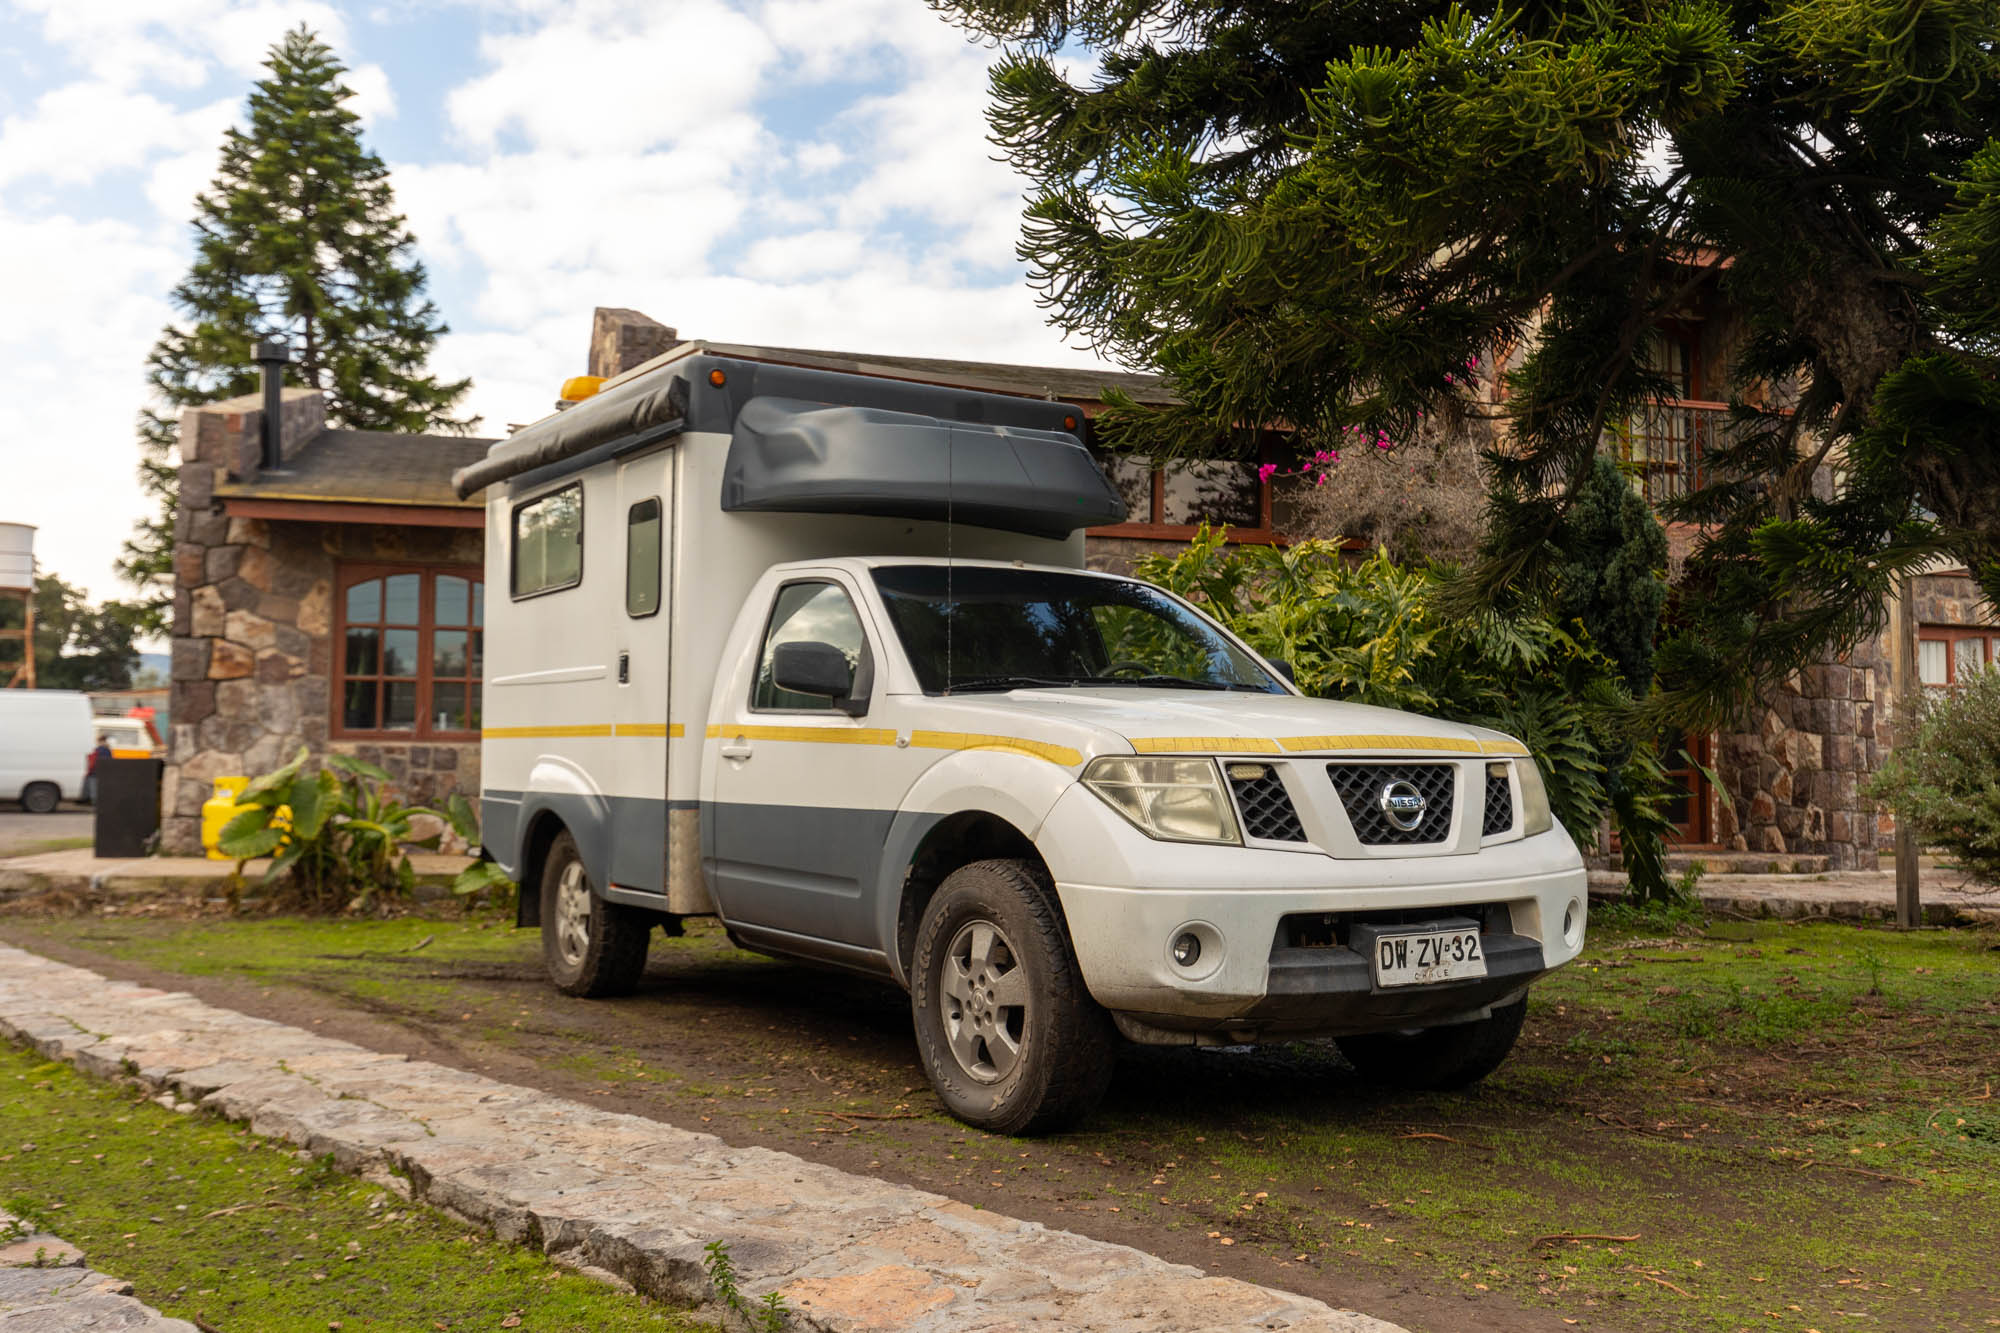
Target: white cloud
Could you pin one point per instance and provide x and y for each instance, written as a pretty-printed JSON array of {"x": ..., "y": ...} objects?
[
  {"x": 86, "y": 300},
  {"x": 602, "y": 79},
  {"x": 374, "y": 100},
  {"x": 77, "y": 132},
  {"x": 174, "y": 43},
  {"x": 805, "y": 254}
]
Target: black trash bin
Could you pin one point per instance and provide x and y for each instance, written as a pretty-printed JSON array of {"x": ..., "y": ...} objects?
[{"x": 128, "y": 806}]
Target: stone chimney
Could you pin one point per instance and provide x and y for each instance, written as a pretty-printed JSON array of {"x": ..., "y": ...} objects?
[{"x": 621, "y": 339}]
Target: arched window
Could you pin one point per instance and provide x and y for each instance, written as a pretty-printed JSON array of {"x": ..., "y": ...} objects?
[{"x": 408, "y": 651}]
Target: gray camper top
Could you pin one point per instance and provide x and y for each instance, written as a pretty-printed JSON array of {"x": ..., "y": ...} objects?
[{"x": 803, "y": 440}]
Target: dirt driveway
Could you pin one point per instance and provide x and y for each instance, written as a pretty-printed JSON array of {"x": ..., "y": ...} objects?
[{"x": 1655, "y": 1157}]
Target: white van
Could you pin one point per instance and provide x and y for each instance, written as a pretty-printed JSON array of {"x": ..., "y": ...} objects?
[
  {"x": 45, "y": 744},
  {"x": 816, "y": 653}
]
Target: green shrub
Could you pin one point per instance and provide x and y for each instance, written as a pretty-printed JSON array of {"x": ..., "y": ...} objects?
[
  {"x": 339, "y": 836},
  {"x": 1373, "y": 632},
  {"x": 1945, "y": 782}
]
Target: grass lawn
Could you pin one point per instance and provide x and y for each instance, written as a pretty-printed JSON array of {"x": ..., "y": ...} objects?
[
  {"x": 212, "y": 1224},
  {"x": 1709, "y": 1125}
]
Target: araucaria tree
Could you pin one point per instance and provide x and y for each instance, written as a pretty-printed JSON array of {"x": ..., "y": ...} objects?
[
  {"x": 296, "y": 237},
  {"x": 1312, "y": 215}
]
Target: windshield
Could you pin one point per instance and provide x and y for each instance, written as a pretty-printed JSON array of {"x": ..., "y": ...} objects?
[{"x": 1006, "y": 629}]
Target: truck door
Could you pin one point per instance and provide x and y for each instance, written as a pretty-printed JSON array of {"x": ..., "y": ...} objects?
[
  {"x": 640, "y": 726},
  {"x": 804, "y": 793}
]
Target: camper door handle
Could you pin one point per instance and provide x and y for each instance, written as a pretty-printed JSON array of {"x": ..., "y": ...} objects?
[{"x": 734, "y": 750}]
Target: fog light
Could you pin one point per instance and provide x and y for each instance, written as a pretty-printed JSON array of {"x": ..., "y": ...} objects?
[
  {"x": 1187, "y": 949},
  {"x": 1573, "y": 924},
  {"x": 1569, "y": 923}
]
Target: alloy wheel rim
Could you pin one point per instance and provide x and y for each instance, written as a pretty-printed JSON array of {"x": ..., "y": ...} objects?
[
  {"x": 573, "y": 914},
  {"x": 983, "y": 999}
]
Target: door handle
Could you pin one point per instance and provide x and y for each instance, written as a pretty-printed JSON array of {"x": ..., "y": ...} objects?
[{"x": 734, "y": 750}]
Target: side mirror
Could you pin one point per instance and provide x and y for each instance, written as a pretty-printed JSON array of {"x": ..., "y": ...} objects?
[
  {"x": 813, "y": 668},
  {"x": 1285, "y": 669}
]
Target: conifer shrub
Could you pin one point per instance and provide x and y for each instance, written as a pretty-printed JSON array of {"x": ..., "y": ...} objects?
[{"x": 1946, "y": 779}]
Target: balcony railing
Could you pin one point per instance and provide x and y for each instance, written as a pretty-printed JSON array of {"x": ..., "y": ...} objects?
[{"x": 1666, "y": 444}]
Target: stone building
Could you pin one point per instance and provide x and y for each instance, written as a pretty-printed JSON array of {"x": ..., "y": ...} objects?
[{"x": 333, "y": 601}]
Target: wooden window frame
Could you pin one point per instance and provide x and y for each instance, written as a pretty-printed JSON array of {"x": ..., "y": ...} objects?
[
  {"x": 346, "y": 575},
  {"x": 1153, "y": 528},
  {"x": 1949, "y": 635}
]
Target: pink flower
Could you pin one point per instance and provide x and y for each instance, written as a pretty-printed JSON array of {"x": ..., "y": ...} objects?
[{"x": 1264, "y": 472}]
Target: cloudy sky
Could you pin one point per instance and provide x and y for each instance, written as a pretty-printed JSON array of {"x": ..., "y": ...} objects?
[{"x": 804, "y": 172}]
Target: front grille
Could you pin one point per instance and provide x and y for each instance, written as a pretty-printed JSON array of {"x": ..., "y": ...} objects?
[
  {"x": 1267, "y": 810},
  {"x": 1499, "y": 805},
  {"x": 1360, "y": 787}
]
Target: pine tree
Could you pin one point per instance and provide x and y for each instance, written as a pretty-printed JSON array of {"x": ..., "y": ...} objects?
[
  {"x": 1312, "y": 215},
  {"x": 296, "y": 237}
]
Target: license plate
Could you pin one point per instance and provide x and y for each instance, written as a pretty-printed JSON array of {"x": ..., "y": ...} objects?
[{"x": 1427, "y": 956}]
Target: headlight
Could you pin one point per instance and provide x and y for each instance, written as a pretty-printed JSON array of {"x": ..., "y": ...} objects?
[
  {"x": 1180, "y": 800},
  {"x": 1535, "y": 816}
]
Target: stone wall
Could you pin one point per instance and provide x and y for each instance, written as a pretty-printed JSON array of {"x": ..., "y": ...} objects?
[
  {"x": 253, "y": 628},
  {"x": 1796, "y": 765}
]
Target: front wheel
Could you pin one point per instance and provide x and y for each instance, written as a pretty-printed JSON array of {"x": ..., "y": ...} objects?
[
  {"x": 40, "y": 798},
  {"x": 590, "y": 947},
  {"x": 1009, "y": 1035},
  {"x": 1438, "y": 1059}
]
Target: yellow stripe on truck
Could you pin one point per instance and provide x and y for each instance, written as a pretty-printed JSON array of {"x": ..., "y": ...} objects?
[
  {"x": 965, "y": 740},
  {"x": 575, "y": 731},
  {"x": 1187, "y": 744},
  {"x": 808, "y": 735},
  {"x": 1298, "y": 744}
]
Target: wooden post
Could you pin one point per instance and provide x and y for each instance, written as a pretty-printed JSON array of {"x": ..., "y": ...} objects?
[{"x": 1909, "y": 693}]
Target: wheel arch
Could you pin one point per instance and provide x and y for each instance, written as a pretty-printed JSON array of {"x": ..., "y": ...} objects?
[{"x": 937, "y": 845}]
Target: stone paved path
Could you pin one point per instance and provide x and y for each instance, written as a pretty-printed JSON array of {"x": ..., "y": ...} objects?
[
  {"x": 1847, "y": 895},
  {"x": 45, "y": 1287},
  {"x": 632, "y": 1197}
]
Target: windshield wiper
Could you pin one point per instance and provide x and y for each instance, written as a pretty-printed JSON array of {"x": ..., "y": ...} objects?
[
  {"x": 1012, "y": 683},
  {"x": 1174, "y": 682}
]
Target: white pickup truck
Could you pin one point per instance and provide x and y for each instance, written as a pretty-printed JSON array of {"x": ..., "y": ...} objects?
[{"x": 815, "y": 653}]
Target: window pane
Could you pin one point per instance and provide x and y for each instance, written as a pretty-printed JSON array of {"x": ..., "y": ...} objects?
[
  {"x": 1931, "y": 661},
  {"x": 1968, "y": 659},
  {"x": 1215, "y": 491},
  {"x": 1132, "y": 478},
  {"x": 448, "y": 652},
  {"x": 478, "y": 654},
  {"x": 357, "y": 706},
  {"x": 807, "y": 613},
  {"x": 478, "y": 602},
  {"x": 548, "y": 542},
  {"x": 400, "y": 705},
  {"x": 450, "y": 607},
  {"x": 400, "y": 606},
  {"x": 364, "y": 652},
  {"x": 642, "y": 559},
  {"x": 399, "y": 652},
  {"x": 448, "y": 706},
  {"x": 364, "y": 603}
]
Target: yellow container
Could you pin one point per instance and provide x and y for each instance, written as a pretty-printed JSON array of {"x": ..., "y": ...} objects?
[{"x": 217, "y": 811}]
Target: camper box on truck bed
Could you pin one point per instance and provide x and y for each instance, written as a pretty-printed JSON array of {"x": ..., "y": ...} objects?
[
  {"x": 45, "y": 743},
  {"x": 816, "y": 653}
]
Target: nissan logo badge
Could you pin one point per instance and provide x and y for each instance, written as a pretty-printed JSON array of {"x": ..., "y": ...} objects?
[{"x": 1402, "y": 804}]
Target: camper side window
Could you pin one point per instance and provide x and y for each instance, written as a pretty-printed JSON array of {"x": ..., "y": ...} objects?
[
  {"x": 807, "y": 613},
  {"x": 548, "y": 543},
  {"x": 642, "y": 558}
]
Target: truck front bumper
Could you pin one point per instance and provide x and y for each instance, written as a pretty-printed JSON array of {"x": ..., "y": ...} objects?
[{"x": 1275, "y": 927}]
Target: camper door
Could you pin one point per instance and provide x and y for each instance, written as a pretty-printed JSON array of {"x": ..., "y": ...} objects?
[{"x": 639, "y": 713}]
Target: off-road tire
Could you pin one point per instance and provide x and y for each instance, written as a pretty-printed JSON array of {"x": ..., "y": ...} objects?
[
  {"x": 610, "y": 955},
  {"x": 40, "y": 798},
  {"x": 1438, "y": 1059},
  {"x": 1064, "y": 1041}
]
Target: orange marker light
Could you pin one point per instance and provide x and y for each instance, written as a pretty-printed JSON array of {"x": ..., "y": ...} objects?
[
  {"x": 717, "y": 378},
  {"x": 579, "y": 387},
  {"x": 1069, "y": 423}
]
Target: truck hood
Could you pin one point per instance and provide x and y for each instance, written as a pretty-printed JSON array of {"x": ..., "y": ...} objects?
[{"x": 1154, "y": 720}]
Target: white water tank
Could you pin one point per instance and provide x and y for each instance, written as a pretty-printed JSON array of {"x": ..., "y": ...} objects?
[{"x": 17, "y": 555}]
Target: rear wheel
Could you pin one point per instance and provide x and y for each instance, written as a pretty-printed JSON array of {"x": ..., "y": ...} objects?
[
  {"x": 1009, "y": 1035},
  {"x": 1438, "y": 1059},
  {"x": 590, "y": 947},
  {"x": 40, "y": 798}
]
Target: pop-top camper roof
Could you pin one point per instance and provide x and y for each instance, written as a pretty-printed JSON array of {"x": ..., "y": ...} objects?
[{"x": 817, "y": 441}]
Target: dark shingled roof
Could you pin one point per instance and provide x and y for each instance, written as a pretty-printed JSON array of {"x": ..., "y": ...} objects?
[{"x": 368, "y": 467}]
